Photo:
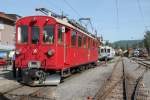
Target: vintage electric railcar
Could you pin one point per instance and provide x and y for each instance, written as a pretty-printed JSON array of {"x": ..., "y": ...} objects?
[{"x": 47, "y": 46}]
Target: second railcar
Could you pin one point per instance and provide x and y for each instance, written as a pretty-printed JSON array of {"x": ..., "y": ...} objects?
[{"x": 106, "y": 51}]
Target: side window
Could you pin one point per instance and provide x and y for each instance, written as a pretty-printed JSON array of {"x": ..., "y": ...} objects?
[
  {"x": 79, "y": 40},
  {"x": 93, "y": 44},
  {"x": 60, "y": 35},
  {"x": 105, "y": 50},
  {"x": 48, "y": 34},
  {"x": 73, "y": 38},
  {"x": 84, "y": 41},
  {"x": 35, "y": 33},
  {"x": 102, "y": 50},
  {"x": 88, "y": 42},
  {"x": 22, "y": 34},
  {"x": 108, "y": 50}
]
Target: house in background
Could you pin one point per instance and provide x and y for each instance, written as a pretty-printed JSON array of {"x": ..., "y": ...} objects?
[{"x": 7, "y": 31}]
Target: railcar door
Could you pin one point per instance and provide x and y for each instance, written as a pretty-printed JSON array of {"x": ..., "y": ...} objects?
[
  {"x": 66, "y": 45},
  {"x": 35, "y": 39}
]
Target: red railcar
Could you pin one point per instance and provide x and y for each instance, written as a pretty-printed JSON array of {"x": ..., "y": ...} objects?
[{"x": 46, "y": 45}]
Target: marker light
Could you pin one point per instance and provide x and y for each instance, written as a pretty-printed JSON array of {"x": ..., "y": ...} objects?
[
  {"x": 50, "y": 52},
  {"x": 17, "y": 52}
]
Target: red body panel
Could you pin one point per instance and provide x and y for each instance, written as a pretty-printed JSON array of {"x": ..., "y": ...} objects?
[{"x": 64, "y": 56}]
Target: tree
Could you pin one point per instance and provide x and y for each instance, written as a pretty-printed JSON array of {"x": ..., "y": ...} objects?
[
  {"x": 147, "y": 41},
  {"x": 107, "y": 43},
  {"x": 141, "y": 44}
]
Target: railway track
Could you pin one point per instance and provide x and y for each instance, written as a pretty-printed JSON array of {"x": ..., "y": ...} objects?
[
  {"x": 27, "y": 93},
  {"x": 122, "y": 85},
  {"x": 112, "y": 85},
  {"x": 140, "y": 92}
]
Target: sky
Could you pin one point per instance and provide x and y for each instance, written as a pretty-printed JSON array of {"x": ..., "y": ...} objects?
[{"x": 128, "y": 24}]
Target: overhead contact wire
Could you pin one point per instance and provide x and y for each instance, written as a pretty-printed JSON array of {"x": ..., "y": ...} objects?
[
  {"x": 141, "y": 13},
  {"x": 75, "y": 11},
  {"x": 117, "y": 15}
]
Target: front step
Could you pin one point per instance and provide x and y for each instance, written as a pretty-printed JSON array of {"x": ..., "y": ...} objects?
[{"x": 50, "y": 80}]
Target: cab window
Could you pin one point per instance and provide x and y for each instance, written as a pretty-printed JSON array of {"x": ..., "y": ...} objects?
[
  {"x": 48, "y": 34},
  {"x": 73, "y": 38},
  {"x": 60, "y": 35},
  {"x": 23, "y": 34},
  {"x": 35, "y": 34}
]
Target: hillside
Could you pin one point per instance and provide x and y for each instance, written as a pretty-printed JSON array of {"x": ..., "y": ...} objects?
[{"x": 127, "y": 44}]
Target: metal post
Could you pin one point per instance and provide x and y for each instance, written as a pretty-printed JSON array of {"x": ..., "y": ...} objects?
[
  {"x": 19, "y": 73},
  {"x": 14, "y": 69}
]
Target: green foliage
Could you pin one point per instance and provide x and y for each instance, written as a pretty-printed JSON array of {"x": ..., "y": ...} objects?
[
  {"x": 107, "y": 43},
  {"x": 147, "y": 41}
]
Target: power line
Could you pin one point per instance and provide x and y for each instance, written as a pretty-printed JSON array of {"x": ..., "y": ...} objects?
[
  {"x": 141, "y": 13},
  {"x": 117, "y": 14},
  {"x": 55, "y": 6},
  {"x": 67, "y": 3},
  {"x": 75, "y": 11}
]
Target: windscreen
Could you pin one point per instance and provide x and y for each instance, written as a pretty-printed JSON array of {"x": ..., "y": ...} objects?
[
  {"x": 22, "y": 34},
  {"x": 35, "y": 33}
]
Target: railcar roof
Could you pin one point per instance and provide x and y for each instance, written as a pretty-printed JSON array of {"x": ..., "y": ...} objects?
[{"x": 61, "y": 21}]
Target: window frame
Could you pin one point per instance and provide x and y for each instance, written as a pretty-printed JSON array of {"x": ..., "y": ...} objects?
[
  {"x": 102, "y": 50},
  {"x": 84, "y": 41},
  {"x": 89, "y": 43},
  {"x": 108, "y": 50},
  {"x": 48, "y": 43},
  {"x": 60, "y": 26},
  {"x": 80, "y": 35},
  {"x": 93, "y": 43},
  {"x": 17, "y": 41},
  {"x": 75, "y": 38},
  {"x": 31, "y": 34}
]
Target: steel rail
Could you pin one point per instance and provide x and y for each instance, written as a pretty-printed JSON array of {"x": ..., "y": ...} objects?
[
  {"x": 97, "y": 96},
  {"x": 141, "y": 62},
  {"x": 137, "y": 86},
  {"x": 6, "y": 92},
  {"x": 126, "y": 97},
  {"x": 30, "y": 96}
]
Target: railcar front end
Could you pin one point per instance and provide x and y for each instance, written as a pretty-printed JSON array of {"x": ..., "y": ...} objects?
[{"x": 36, "y": 48}]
